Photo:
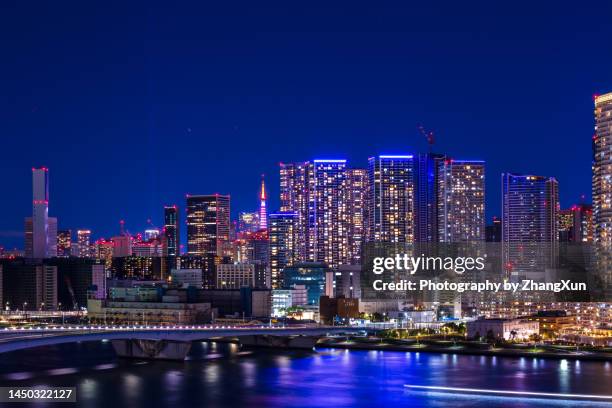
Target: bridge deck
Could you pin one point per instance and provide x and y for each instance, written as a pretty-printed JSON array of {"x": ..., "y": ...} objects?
[{"x": 18, "y": 339}]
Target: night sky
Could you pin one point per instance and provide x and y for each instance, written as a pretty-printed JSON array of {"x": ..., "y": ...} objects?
[{"x": 133, "y": 106}]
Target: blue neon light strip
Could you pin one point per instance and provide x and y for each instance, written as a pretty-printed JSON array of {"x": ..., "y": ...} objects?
[
  {"x": 391, "y": 156},
  {"x": 329, "y": 161}
]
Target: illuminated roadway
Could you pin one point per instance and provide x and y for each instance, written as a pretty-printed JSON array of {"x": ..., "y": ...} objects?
[{"x": 12, "y": 339}]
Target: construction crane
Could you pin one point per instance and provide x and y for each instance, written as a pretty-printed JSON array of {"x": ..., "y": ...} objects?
[{"x": 429, "y": 135}]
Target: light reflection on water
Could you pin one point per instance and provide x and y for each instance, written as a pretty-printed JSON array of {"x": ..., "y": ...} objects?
[{"x": 326, "y": 378}]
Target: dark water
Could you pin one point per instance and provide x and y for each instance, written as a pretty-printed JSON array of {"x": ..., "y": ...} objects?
[{"x": 221, "y": 375}]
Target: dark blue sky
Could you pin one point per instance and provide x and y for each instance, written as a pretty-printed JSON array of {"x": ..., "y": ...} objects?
[{"x": 133, "y": 106}]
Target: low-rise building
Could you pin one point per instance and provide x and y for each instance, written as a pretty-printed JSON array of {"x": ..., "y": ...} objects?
[
  {"x": 506, "y": 329},
  {"x": 284, "y": 299},
  {"x": 340, "y": 307},
  {"x": 157, "y": 313},
  {"x": 187, "y": 277}
]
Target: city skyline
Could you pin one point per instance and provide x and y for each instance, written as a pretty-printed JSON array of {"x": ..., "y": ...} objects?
[
  {"x": 235, "y": 214},
  {"x": 169, "y": 105},
  {"x": 306, "y": 204}
]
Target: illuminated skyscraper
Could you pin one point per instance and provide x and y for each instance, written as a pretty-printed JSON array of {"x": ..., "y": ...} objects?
[
  {"x": 64, "y": 239},
  {"x": 208, "y": 224},
  {"x": 582, "y": 229},
  {"x": 84, "y": 239},
  {"x": 295, "y": 187},
  {"x": 283, "y": 242},
  {"x": 263, "y": 212},
  {"x": 576, "y": 224},
  {"x": 530, "y": 206},
  {"x": 328, "y": 200},
  {"x": 493, "y": 231},
  {"x": 151, "y": 233},
  {"x": 356, "y": 200},
  {"x": 461, "y": 201},
  {"x": 248, "y": 222},
  {"x": 390, "y": 199},
  {"x": 172, "y": 234},
  {"x": 426, "y": 168},
  {"x": 40, "y": 229},
  {"x": 602, "y": 170},
  {"x": 566, "y": 225},
  {"x": 328, "y": 212}
]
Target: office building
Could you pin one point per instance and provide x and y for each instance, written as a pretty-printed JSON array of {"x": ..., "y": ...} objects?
[
  {"x": 152, "y": 247},
  {"x": 78, "y": 279},
  {"x": 312, "y": 275},
  {"x": 207, "y": 264},
  {"x": 565, "y": 224},
  {"x": 235, "y": 276},
  {"x": 84, "y": 239},
  {"x": 283, "y": 244},
  {"x": 64, "y": 241},
  {"x": 347, "y": 281},
  {"x": 103, "y": 250},
  {"x": 187, "y": 277},
  {"x": 122, "y": 246},
  {"x": 285, "y": 299},
  {"x": 582, "y": 228},
  {"x": 28, "y": 286},
  {"x": 171, "y": 231},
  {"x": 338, "y": 309},
  {"x": 248, "y": 222},
  {"x": 502, "y": 329},
  {"x": 390, "y": 199},
  {"x": 493, "y": 231},
  {"x": 137, "y": 268},
  {"x": 461, "y": 201},
  {"x": 208, "y": 224}
]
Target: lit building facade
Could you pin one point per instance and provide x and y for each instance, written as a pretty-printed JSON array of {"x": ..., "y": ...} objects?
[
  {"x": 248, "y": 222},
  {"x": 390, "y": 199},
  {"x": 295, "y": 186},
  {"x": 582, "y": 223},
  {"x": 356, "y": 192},
  {"x": 461, "y": 202},
  {"x": 566, "y": 225},
  {"x": 328, "y": 199},
  {"x": 530, "y": 206},
  {"x": 40, "y": 229},
  {"x": 426, "y": 170},
  {"x": 208, "y": 224},
  {"x": 329, "y": 230},
  {"x": 64, "y": 240},
  {"x": 283, "y": 245},
  {"x": 493, "y": 231},
  {"x": 263, "y": 211},
  {"x": 576, "y": 224},
  {"x": 172, "y": 234},
  {"x": 235, "y": 276},
  {"x": 84, "y": 241},
  {"x": 602, "y": 170},
  {"x": 312, "y": 275}
]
